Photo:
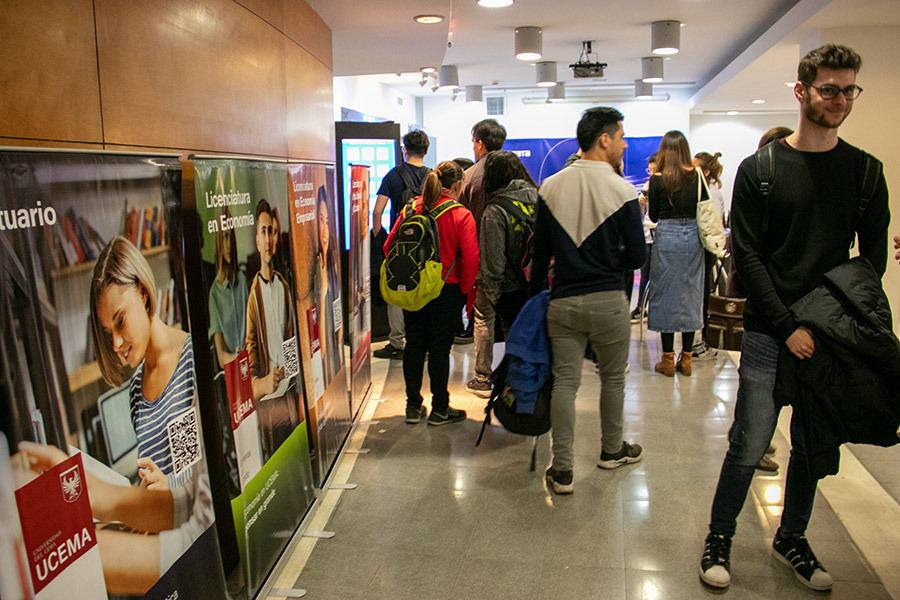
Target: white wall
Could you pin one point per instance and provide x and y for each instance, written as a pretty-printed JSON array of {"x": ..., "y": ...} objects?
[
  {"x": 373, "y": 98},
  {"x": 735, "y": 137},
  {"x": 451, "y": 122},
  {"x": 873, "y": 124}
]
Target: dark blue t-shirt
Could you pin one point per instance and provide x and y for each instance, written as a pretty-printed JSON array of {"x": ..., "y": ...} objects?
[{"x": 392, "y": 185}]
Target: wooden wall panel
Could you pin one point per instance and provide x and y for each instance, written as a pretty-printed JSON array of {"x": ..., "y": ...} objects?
[
  {"x": 199, "y": 74},
  {"x": 30, "y": 143},
  {"x": 304, "y": 25},
  {"x": 48, "y": 73},
  {"x": 271, "y": 11},
  {"x": 310, "y": 99}
]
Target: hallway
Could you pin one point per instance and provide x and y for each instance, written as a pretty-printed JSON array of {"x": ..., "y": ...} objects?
[{"x": 436, "y": 517}]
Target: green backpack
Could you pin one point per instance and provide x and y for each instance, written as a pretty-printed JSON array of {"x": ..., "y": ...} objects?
[{"x": 411, "y": 271}]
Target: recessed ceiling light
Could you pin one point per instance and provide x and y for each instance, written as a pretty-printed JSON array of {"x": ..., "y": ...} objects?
[
  {"x": 790, "y": 83},
  {"x": 428, "y": 19},
  {"x": 494, "y": 3},
  {"x": 758, "y": 101},
  {"x": 428, "y": 69},
  {"x": 732, "y": 113}
]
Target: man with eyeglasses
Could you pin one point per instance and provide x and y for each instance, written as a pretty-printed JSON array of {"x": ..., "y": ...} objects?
[{"x": 784, "y": 243}]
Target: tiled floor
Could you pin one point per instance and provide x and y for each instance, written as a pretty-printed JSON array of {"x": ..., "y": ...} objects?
[{"x": 436, "y": 517}]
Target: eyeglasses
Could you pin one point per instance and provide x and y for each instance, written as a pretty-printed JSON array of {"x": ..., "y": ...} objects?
[{"x": 829, "y": 92}]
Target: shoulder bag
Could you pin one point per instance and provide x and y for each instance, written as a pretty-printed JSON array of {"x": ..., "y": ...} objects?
[{"x": 709, "y": 221}]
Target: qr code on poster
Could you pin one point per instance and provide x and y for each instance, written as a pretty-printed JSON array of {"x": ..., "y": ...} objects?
[
  {"x": 184, "y": 441},
  {"x": 291, "y": 365}
]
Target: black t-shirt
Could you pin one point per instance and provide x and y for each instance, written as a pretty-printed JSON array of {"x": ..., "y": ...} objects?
[
  {"x": 392, "y": 185},
  {"x": 684, "y": 201},
  {"x": 813, "y": 215}
]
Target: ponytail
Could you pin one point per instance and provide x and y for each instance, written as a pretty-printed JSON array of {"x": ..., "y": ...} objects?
[{"x": 444, "y": 175}]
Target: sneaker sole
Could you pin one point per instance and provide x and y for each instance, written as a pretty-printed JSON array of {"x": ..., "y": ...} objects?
[
  {"x": 800, "y": 578},
  {"x": 558, "y": 487},
  {"x": 615, "y": 464},
  {"x": 479, "y": 393},
  {"x": 446, "y": 421},
  {"x": 719, "y": 585},
  {"x": 414, "y": 420}
]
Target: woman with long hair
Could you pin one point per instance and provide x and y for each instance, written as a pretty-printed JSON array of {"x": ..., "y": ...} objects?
[
  {"x": 228, "y": 297},
  {"x": 676, "y": 269},
  {"x": 328, "y": 287},
  {"x": 430, "y": 330},
  {"x": 712, "y": 169},
  {"x": 503, "y": 234}
]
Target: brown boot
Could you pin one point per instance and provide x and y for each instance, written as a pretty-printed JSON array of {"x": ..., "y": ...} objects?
[
  {"x": 684, "y": 363},
  {"x": 666, "y": 364}
]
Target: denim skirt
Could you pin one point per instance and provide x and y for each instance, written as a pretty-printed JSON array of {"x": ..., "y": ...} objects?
[{"x": 676, "y": 278}]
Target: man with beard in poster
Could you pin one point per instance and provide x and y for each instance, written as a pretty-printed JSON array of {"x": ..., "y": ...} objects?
[
  {"x": 269, "y": 324},
  {"x": 784, "y": 244}
]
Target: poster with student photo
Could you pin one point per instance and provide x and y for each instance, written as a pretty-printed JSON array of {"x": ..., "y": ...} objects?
[
  {"x": 317, "y": 267},
  {"x": 247, "y": 284},
  {"x": 360, "y": 281},
  {"x": 98, "y": 378}
]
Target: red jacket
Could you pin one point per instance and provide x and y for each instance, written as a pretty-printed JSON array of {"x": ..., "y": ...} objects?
[{"x": 458, "y": 239}]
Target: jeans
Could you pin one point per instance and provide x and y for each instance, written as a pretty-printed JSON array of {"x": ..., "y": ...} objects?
[
  {"x": 431, "y": 330},
  {"x": 398, "y": 329},
  {"x": 483, "y": 335},
  {"x": 602, "y": 320},
  {"x": 755, "y": 418}
]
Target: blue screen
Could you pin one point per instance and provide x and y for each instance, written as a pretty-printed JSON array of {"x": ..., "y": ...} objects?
[{"x": 379, "y": 155}]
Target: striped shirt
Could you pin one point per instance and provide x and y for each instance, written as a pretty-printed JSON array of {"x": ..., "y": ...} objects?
[{"x": 150, "y": 417}]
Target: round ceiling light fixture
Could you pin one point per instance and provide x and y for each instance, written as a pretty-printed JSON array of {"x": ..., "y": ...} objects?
[
  {"x": 495, "y": 3},
  {"x": 427, "y": 70},
  {"x": 474, "y": 94},
  {"x": 665, "y": 37},
  {"x": 652, "y": 69},
  {"x": 428, "y": 19},
  {"x": 642, "y": 90},
  {"x": 557, "y": 93},
  {"x": 529, "y": 43},
  {"x": 449, "y": 76},
  {"x": 546, "y": 74}
]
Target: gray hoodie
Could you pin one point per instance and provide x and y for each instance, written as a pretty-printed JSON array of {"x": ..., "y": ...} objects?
[{"x": 502, "y": 239}]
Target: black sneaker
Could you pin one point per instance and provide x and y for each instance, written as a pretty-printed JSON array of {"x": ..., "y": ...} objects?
[
  {"x": 630, "y": 453},
  {"x": 389, "y": 351},
  {"x": 467, "y": 335},
  {"x": 479, "y": 387},
  {"x": 796, "y": 553},
  {"x": 451, "y": 416},
  {"x": 560, "y": 481},
  {"x": 715, "y": 565},
  {"x": 414, "y": 415}
]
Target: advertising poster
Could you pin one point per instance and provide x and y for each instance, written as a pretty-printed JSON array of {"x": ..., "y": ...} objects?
[
  {"x": 98, "y": 378},
  {"x": 317, "y": 268},
  {"x": 246, "y": 281},
  {"x": 545, "y": 156},
  {"x": 360, "y": 282}
]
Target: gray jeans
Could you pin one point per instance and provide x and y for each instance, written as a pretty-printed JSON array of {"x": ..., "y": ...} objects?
[
  {"x": 600, "y": 319},
  {"x": 397, "y": 325},
  {"x": 483, "y": 335}
]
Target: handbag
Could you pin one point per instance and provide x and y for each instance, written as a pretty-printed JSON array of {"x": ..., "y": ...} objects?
[{"x": 709, "y": 221}]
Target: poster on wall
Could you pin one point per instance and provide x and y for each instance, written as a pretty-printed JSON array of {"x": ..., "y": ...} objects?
[
  {"x": 545, "y": 156},
  {"x": 319, "y": 308},
  {"x": 98, "y": 378},
  {"x": 246, "y": 282},
  {"x": 360, "y": 285}
]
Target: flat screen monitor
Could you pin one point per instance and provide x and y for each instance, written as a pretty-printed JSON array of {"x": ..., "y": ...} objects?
[{"x": 118, "y": 431}]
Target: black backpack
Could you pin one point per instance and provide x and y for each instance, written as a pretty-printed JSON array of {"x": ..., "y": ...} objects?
[
  {"x": 503, "y": 404},
  {"x": 410, "y": 189},
  {"x": 521, "y": 216},
  {"x": 765, "y": 172}
]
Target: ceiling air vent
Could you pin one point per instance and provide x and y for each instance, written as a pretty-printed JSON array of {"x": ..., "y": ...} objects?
[{"x": 496, "y": 106}]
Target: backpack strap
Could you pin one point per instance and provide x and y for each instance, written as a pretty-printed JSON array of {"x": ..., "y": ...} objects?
[
  {"x": 407, "y": 179},
  {"x": 872, "y": 168},
  {"x": 765, "y": 171},
  {"x": 443, "y": 207}
]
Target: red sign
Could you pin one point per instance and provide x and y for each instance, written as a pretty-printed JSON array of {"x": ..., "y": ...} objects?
[
  {"x": 240, "y": 391},
  {"x": 57, "y": 525}
]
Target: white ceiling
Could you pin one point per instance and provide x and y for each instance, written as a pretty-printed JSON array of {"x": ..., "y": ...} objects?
[{"x": 732, "y": 51}]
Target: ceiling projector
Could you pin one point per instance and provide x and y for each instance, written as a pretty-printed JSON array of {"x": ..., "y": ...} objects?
[{"x": 587, "y": 65}]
